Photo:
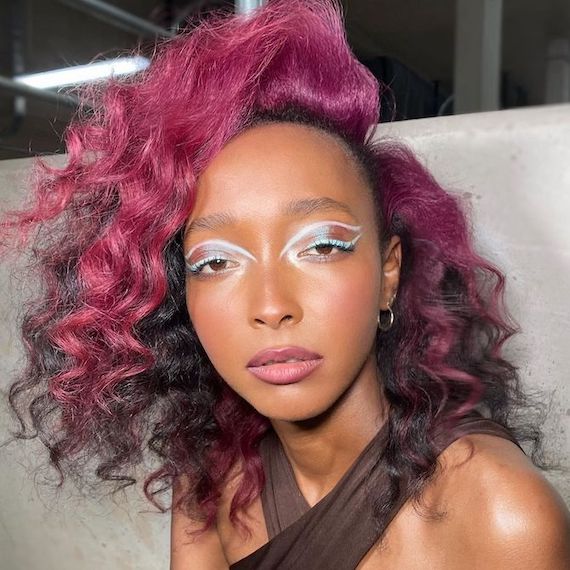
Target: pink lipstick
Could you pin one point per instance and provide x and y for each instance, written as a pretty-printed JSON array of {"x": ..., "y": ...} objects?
[{"x": 284, "y": 365}]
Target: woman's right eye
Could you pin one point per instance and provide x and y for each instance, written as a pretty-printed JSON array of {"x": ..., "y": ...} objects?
[{"x": 215, "y": 264}]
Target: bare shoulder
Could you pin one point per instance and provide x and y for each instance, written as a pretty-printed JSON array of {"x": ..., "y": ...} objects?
[{"x": 507, "y": 511}]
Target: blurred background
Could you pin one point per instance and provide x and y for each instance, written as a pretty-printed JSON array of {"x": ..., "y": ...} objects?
[{"x": 439, "y": 58}]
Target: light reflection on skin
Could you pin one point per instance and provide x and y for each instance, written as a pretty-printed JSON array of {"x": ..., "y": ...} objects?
[{"x": 320, "y": 229}]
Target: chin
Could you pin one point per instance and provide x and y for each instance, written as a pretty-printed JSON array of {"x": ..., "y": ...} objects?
[{"x": 293, "y": 410}]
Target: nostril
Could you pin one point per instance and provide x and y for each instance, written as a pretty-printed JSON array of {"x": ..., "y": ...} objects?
[{"x": 269, "y": 321}]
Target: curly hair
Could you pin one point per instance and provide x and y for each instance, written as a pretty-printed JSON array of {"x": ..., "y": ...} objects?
[{"x": 114, "y": 369}]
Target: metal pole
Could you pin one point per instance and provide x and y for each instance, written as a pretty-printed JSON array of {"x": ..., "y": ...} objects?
[
  {"x": 17, "y": 88},
  {"x": 245, "y": 6},
  {"x": 477, "y": 66},
  {"x": 558, "y": 71},
  {"x": 119, "y": 18}
]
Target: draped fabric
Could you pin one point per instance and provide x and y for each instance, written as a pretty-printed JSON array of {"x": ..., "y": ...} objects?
[{"x": 339, "y": 530}]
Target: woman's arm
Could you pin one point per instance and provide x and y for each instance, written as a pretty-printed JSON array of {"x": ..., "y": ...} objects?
[{"x": 203, "y": 552}]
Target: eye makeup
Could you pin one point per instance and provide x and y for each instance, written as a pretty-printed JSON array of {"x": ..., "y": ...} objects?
[
  {"x": 343, "y": 246},
  {"x": 327, "y": 234},
  {"x": 337, "y": 234},
  {"x": 211, "y": 255},
  {"x": 222, "y": 244}
]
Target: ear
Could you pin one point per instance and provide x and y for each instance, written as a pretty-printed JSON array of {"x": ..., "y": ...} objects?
[{"x": 391, "y": 266}]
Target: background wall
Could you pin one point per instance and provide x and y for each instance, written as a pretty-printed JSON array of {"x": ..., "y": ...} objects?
[{"x": 513, "y": 166}]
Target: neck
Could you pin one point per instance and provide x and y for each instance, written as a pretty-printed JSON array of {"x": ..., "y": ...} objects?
[{"x": 322, "y": 449}]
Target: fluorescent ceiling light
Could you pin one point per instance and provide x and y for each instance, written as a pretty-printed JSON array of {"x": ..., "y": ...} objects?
[{"x": 75, "y": 75}]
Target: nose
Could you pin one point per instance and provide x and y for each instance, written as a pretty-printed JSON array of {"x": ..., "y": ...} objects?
[{"x": 273, "y": 300}]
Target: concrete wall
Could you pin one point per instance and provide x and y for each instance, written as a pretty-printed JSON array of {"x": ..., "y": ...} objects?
[{"x": 514, "y": 166}]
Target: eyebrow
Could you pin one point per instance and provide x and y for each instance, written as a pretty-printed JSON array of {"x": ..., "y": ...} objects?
[{"x": 293, "y": 208}]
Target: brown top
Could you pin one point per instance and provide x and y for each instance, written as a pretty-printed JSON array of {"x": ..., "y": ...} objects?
[{"x": 339, "y": 530}]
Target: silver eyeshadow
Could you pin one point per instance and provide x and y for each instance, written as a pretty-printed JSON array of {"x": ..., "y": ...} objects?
[{"x": 294, "y": 239}]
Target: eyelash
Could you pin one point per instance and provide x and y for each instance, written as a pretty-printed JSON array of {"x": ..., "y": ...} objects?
[
  {"x": 195, "y": 269},
  {"x": 343, "y": 246}
]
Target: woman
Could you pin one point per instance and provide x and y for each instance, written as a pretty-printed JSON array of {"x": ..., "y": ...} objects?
[{"x": 290, "y": 316}]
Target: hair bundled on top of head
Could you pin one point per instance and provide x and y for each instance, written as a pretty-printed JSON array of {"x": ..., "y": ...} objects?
[{"x": 114, "y": 366}]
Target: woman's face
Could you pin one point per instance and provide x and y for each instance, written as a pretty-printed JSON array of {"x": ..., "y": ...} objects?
[{"x": 282, "y": 250}]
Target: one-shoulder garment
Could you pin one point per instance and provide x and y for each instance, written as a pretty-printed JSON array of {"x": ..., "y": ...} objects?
[{"x": 339, "y": 530}]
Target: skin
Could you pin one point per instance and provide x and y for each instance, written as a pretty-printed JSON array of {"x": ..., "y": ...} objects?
[{"x": 501, "y": 512}]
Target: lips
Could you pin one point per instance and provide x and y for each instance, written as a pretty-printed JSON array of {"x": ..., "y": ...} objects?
[
  {"x": 275, "y": 355},
  {"x": 283, "y": 373}
]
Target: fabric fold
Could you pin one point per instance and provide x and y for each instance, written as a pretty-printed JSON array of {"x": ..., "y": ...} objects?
[{"x": 339, "y": 530}]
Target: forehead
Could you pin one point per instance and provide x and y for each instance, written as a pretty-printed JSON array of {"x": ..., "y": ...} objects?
[{"x": 270, "y": 164}]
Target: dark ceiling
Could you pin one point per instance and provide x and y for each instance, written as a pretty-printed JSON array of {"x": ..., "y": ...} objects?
[{"x": 37, "y": 35}]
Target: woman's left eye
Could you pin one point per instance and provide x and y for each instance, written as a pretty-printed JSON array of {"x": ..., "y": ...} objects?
[{"x": 325, "y": 246}]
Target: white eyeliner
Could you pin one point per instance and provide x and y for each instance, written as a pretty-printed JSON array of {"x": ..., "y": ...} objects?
[
  {"x": 222, "y": 243},
  {"x": 308, "y": 229},
  {"x": 296, "y": 237}
]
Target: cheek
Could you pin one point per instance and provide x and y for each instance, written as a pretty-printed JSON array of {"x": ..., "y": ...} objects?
[
  {"x": 339, "y": 302},
  {"x": 348, "y": 300},
  {"x": 212, "y": 310}
]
